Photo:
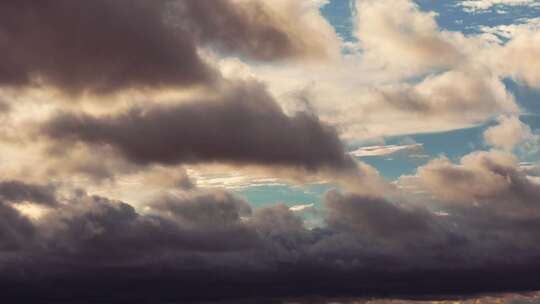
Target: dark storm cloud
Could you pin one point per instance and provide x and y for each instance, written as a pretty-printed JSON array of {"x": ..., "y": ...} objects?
[
  {"x": 243, "y": 126},
  {"x": 102, "y": 46},
  {"x": 18, "y": 192},
  {"x": 96, "y": 46},
  {"x": 204, "y": 209},
  {"x": 208, "y": 245},
  {"x": 374, "y": 216},
  {"x": 15, "y": 231},
  {"x": 248, "y": 28},
  {"x": 93, "y": 226}
]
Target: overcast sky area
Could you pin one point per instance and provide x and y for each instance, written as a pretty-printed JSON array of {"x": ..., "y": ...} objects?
[{"x": 270, "y": 151}]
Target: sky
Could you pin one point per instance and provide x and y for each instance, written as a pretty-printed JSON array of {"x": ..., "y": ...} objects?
[{"x": 253, "y": 151}]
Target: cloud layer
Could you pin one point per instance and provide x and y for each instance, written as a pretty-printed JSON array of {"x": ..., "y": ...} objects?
[
  {"x": 405, "y": 246},
  {"x": 111, "y": 109}
]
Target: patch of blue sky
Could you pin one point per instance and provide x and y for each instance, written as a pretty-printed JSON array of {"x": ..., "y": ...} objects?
[
  {"x": 392, "y": 166},
  {"x": 528, "y": 98},
  {"x": 452, "y": 144},
  {"x": 303, "y": 201},
  {"x": 530, "y": 154},
  {"x": 266, "y": 195},
  {"x": 339, "y": 14},
  {"x": 529, "y": 101}
]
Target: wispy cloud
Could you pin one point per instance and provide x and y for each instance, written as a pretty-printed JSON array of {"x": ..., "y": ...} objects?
[
  {"x": 386, "y": 150},
  {"x": 482, "y": 5}
]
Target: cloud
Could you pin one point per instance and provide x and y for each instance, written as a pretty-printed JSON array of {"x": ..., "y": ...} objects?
[
  {"x": 401, "y": 37},
  {"x": 487, "y": 181},
  {"x": 404, "y": 65},
  {"x": 511, "y": 132},
  {"x": 443, "y": 97},
  {"x": 15, "y": 230},
  {"x": 472, "y": 6},
  {"x": 521, "y": 58},
  {"x": 19, "y": 192},
  {"x": 212, "y": 209},
  {"x": 96, "y": 46},
  {"x": 301, "y": 208},
  {"x": 4, "y": 107},
  {"x": 259, "y": 30},
  {"x": 386, "y": 150},
  {"x": 103, "y": 47},
  {"x": 198, "y": 221},
  {"x": 198, "y": 234},
  {"x": 509, "y": 31},
  {"x": 374, "y": 217},
  {"x": 243, "y": 126},
  {"x": 142, "y": 229},
  {"x": 193, "y": 235}
]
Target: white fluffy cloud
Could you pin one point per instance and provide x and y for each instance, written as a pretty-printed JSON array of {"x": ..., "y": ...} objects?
[
  {"x": 522, "y": 57},
  {"x": 397, "y": 35},
  {"x": 509, "y": 133},
  {"x": 512, "y": 135}
]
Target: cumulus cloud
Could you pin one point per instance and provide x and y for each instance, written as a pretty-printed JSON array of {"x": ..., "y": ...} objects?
[
  {"x": 486, "y": 181},
  {"x": 398, "y": 35},
  {"x": 445, "y": 96},
  {"x": 521, "y": 58},
  {"x": 511, "y": 132}
]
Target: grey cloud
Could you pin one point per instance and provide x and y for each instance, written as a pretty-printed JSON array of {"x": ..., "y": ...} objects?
[
  {"x": 15, "y": 230},
  {"x": 447, "y": 94},
  {"x": 208, "y": 245},
  {"x": 91, "y": 226},
  {"x": 374, "y": 216},
  {"x": 214, "y": 208},
  {"x": 487, "y": 179},
  {"x": 249, "y": 28},
  {"x": 97, "y": 46},
  {"x": 104, "y": 46},
  {"x": 243, "y": 126},
  {"x": 17, "y": 192},
  {"x": 198, "y": 245}
]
